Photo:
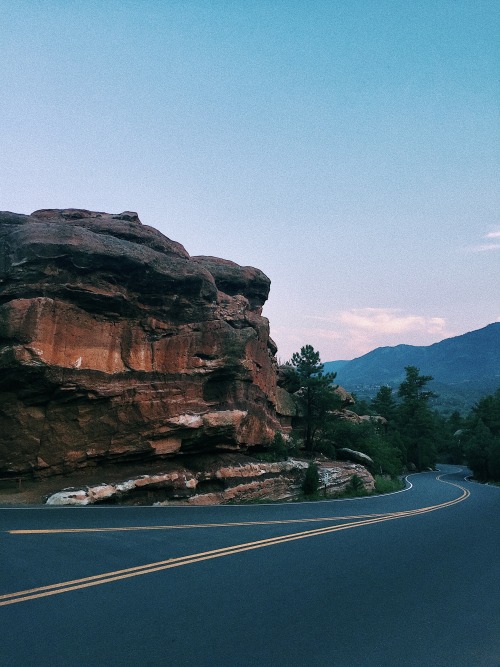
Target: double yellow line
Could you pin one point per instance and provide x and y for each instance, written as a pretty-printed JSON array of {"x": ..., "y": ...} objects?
[
  {"x": 229, "y": 524},
  {"x": 118, "y": 575}
]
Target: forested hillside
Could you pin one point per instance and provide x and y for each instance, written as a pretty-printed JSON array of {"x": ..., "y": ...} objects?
[
  {"x": 395, "y": 431},
  {"x": 464, "y": 368}
]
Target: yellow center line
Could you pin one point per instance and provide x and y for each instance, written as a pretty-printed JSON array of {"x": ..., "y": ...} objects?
[
  {"x": 108, "y": 577},
  {"x": 56, "y": 531}
]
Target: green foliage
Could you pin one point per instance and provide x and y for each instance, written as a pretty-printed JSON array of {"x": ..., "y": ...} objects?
[
  {"x": 494, "y": 461},
  {"x": 279, "y": 447},
  {"x": 316, "y": 396},
  {"x": 279, "y": 450},
  {"x": 478, "y": 447},
  {"x": 474, "y": 439},
  {"x": 344, "y": 433},
  {"x": 369, "y": 438},
  {"x": 327, "y": 448},
  {"x": 361, "y": 407},
  {"x": 388, "y": 484},
  {"x": 355, "y": 488},
  {"x": 481, "y": 438},
  {"x": 384, "y": 404},
  {"x": 416, "y": 421},
  {"x": 488, "y": 410},
  {"x": 356, "y": 484},
  {"x": 413, "y": 434},
  {"x": 411, "y": 390},
  {"x": 310, "y": 484}
]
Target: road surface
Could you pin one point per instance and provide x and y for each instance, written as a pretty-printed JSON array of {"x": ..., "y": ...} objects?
[{"x": 408, "y": 579}]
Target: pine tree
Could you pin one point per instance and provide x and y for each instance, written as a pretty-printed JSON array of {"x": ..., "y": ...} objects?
[
  {"x": 417, "y": 423},
  {"x": 317, "y": 397},
  {"x": 383, "y": 404}
]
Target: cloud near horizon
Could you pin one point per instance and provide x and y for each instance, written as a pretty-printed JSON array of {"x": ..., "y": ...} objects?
[
  {"x": 365, "y": 329},
  {"x": 352, "y": 333}
]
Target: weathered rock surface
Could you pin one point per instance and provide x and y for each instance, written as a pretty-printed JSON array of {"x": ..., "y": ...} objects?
[
  {"x": 346, "y": 454},
  {"x": 115, "y": 344},
  {"x": 222, "y": 479}
]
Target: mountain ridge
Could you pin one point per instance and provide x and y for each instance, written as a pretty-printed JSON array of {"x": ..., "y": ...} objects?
[{"x": 467, "y": 364}]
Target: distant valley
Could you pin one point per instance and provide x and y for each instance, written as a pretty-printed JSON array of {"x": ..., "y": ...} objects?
[{"x": 464, "y": 368}]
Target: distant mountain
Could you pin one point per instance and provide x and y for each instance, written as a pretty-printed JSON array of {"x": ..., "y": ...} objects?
[{"x": 464, "y": 368}]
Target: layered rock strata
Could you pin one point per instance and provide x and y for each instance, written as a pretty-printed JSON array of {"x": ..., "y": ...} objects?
[
  {"x": 223, "y": 479},
  {"x": 115, "y": 344}
]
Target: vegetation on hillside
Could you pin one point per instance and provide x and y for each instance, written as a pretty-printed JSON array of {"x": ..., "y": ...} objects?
[
  {"x": 475, "y": 439},
  {"x": 315, "y": 394},
  {"x": 465, "y": 368},
  {"x": 400, "y": 430}
]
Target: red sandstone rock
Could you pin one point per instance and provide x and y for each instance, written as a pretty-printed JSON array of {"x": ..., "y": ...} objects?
[{"x": 116, "y": 344}]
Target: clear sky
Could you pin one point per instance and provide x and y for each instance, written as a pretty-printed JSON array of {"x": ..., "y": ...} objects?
[{"x": 348, "y": 148}]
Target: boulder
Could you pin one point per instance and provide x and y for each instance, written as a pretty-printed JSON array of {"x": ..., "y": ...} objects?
[
  {"x": 345, "y": 396},
  {"x": 116, "y": 345},
  {"x": 346, "y": 454}
]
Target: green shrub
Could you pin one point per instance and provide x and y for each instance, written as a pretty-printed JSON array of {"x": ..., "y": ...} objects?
[
  {"x": 356, "y": 484},
  {"x": 355, "y": 488},
  {"x": 278, "y": 450},
  {"x": 279, "y": 447},
  {"x": 310, "y": 485},
  {"x": 328, "y": 449},
  {"x": 388, "y": 484}
]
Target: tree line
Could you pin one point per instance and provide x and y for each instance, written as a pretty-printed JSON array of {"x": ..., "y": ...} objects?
[{"x": 399, "y": 430}]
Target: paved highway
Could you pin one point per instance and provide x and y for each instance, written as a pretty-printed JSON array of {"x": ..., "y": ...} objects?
[{"x": 407, "y": 579}]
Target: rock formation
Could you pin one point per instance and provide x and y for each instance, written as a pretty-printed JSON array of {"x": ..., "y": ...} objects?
[
  {"x": 115, "y": 344},
  {"x": 224, "y": 478},
  {"x": 347, "y": 454}
]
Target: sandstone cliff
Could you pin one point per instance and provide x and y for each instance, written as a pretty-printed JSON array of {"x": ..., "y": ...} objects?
[{"x": 115, "y": 344}]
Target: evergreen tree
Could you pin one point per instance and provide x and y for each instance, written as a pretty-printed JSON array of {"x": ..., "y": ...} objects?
[
  {"x": 451, "y": 447},
  {"x": 310, "y": 484},
  {"x": 488, "y": 410},
  {"x": 317, "y": 397},
  {"x": 383, "y": 404},
  {"x": 478, "y": 449},
  {"x": 482, "y": 438},
  {"x": 417, "y": 423}
]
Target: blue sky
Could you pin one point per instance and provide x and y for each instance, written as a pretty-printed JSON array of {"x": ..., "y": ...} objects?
[{"x": 348, "y": 148}]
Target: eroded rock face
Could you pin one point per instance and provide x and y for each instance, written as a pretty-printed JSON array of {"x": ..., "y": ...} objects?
[
  {"x": 116, "y": 344},
  {"x": 222, "y": 479}
]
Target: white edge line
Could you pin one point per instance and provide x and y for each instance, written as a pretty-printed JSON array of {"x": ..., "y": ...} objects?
[
  {"x": 162, "y": 507},
  {"x": 301, "y": 502}
]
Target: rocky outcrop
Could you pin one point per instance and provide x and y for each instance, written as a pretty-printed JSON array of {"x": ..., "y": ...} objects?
[
  {"x": 346, "y": 454},
  {"x": 115, "y": 344},
  {"x": 222, "y": 479},
  {"x": 336, "y": 476}
]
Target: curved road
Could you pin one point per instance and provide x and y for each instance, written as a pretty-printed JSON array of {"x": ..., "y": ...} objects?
[{"x": 408, "y": 579}]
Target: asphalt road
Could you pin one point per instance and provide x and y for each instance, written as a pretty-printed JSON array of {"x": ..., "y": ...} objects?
[{"x": 408, "y": 579}]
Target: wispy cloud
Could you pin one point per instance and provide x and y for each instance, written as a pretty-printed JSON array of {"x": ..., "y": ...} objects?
[
  {"x": 352, "y": 333},
  {"x": 367, "y": 328},
  {"x": 377, "y": 321},
  {"x": 490, "y": 244},
  {"x": 484, "y": 247}
]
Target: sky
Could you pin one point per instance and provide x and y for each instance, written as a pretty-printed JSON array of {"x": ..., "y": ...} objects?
[{"x": 347, "y": 148}]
